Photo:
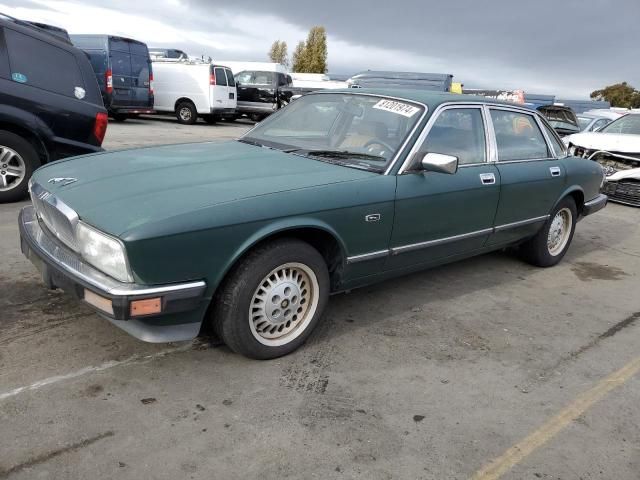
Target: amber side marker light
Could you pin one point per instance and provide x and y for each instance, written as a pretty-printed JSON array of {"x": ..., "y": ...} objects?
[
  {"x": 148, "y": 306},
  {"x": 99, "y": 302}
]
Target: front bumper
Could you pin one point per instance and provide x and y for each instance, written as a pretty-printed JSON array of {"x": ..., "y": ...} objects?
[
  {"x": 181, "y": 304},
  {"x": 595, "y": 205},
  {"x": 624, "y": 191}
]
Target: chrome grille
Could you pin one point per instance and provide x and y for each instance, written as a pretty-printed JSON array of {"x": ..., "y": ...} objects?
[
  {"x": 623, "y": 191},
  {"x": 58, "y": 217}
]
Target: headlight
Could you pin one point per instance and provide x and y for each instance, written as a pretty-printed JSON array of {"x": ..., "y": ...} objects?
[{"x": 103, "y": 252}]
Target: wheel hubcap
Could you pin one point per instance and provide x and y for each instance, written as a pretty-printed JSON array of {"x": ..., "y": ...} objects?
[
  {"x": 185, "y": 114},
  {"x": 12, "y": 168},
  {"x": 559, "y": 231},
  {"x": 283, "y": 304}
]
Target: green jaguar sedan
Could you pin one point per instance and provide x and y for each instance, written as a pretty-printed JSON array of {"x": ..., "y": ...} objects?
[{"x": 338, "y": 190}]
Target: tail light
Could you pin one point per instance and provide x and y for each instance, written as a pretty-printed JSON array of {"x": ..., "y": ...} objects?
[
  {"x": 108, "y": 80},
  {"x": 212, "y": 79},
  {"x": 151, "y": 84},
  {"x": 100, "y": 126}
]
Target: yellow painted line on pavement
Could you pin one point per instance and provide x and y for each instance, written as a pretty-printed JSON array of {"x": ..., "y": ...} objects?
[{"x": 554, "y": 425}]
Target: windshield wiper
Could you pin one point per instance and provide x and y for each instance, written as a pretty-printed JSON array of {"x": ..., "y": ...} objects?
[{"x": 335, "y": 154}]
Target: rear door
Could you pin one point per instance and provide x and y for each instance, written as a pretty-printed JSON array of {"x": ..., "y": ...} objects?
[
  {"x": 120, "y": 59},
  {"x": 220, "y": 94},
  {"x": 232, "y": 89},
  {"x": 532, "y": 177},
  {"x": 140, "y": 75}
]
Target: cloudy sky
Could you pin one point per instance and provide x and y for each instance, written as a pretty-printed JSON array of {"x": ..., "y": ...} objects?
[{"x": 562, "y": 47}]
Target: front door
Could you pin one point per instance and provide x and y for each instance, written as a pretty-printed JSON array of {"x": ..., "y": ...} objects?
[
  {"x": 532, "y": 177},
  {"x": 439, "y": 215}
]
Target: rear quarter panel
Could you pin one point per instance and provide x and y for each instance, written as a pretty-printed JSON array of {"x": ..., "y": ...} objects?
[{"x": 583, "y": 175}]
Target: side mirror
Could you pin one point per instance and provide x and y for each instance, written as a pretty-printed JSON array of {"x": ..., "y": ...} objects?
[{"x": 438, "y": 162}]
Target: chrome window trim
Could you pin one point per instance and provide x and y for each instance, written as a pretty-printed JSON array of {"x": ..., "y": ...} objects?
[
  {"x": 524, "y": 111},
  {"x": 377, "y": 95},
  {"x": 441, "y": 241},
  {"x": 427, "y": 128},
  {"x": 542, "y": 123}
]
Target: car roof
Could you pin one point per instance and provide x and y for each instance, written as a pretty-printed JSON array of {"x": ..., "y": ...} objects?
[{"x": 430, "y": 98}]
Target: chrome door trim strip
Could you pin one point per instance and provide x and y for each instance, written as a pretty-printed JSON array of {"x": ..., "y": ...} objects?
[
  {"x": 440, "y": 241},
  {"x": 521, "y": 223},
  {"x": 367, "y": 256}
]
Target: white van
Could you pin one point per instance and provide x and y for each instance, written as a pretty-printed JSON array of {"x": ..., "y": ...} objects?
[{"x": 193, "y": 89}]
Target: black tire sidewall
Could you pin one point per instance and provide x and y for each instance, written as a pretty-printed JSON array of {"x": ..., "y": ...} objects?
[
  {"x": 537, "y": 250},
  {"x": 194, "y": 113},
  {"x": 231, "y": 320},
  {"x": 31, "y": 160}
]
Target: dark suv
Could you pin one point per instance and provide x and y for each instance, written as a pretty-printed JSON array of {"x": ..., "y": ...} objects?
[{"x": 50, "y": 104}]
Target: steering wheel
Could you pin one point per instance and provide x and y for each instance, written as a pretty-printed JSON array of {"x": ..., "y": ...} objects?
[{"x": 370, "y": 146}]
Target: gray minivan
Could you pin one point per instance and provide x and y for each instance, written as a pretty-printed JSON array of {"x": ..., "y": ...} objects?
[{"x": 123, "y": 69}]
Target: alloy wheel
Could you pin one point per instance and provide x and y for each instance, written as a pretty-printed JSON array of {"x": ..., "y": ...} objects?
[
  {"x": 283, "y": 304},
  {"x": 12, "y": 169}
]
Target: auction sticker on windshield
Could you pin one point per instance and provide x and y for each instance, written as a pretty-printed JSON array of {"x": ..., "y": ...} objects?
[{"x": 397, "y": 107}]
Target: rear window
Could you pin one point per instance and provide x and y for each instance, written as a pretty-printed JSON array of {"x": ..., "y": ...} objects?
[
  {"x": 119, "y": 44},
  {"x": 230, "y": 80},
  {"x": 221, "y": 78},
  {"x": 33, "y": 62},
  {"x": 121, "y": 63},
  {"x": 138, "y": 49},
  {"x": 140, "y": 69},
  {"x": 256, "y": 78}
]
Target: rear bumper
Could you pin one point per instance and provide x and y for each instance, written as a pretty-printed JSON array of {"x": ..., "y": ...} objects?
[
  {"x": 182, "y": 304},
  {"x": 595, "y": 205},
  {"x": 223, "y": 111}
]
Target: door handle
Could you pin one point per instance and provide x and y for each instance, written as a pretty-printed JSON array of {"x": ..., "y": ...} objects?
[
  {"x": 487, "y": 178},
  {"x": 555, "y": 171}
]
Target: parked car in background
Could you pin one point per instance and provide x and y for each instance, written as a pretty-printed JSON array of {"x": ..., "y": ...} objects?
[
  {"x": 50, "y": 104},
  {"x": 561, "y": 118},
  {"x": 592, "y": 121},
  {"x": 192, "y": 89},
  {"x": 261, "y": 92},
  {"x": 174, "y": 53},
  {"x": 122, "y": 67},
  {"x": 439, "y": 82},
  {"x": 339, "y": 190},
  {"x": 617, "y": 148}
]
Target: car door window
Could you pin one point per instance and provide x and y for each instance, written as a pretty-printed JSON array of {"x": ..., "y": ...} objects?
[
  {"x": 230, "y": 80},
  {"x": 518, "y": 136},
  {"x": 221, "y": 78},
  {"x": 25, "y": 69},
  {"x": 459, "y": 132}
]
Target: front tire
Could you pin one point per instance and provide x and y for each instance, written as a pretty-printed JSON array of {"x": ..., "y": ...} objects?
[
  {"x": 18, "y": 160},
  {"x": 551, "y": 243},
  {"x": 272, "y": 300}
]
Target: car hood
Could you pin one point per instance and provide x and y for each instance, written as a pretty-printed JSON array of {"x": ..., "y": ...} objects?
[
  {"x": 610, "y": 142},
  {"x": 118, "y": 191},
  {"x": 623, "y": 174}
]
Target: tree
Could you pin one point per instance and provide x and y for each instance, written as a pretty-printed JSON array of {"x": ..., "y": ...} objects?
[
  {"x": 311, "y": 56},
  {"x": 278, "y": 53},
  {"x": 619, "y": 95},
  {"x": 298, "y": 59}
]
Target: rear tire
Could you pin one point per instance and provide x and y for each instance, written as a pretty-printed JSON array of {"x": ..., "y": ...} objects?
[
  {"x": 119, "y": 117},
  {"x": 272, "y": 299},
  {"x": 210, "y": 119},
  {"x": 551, "y": 243},
  {"x": 18, "y": 160},
  {"x": 186, "y": 113}
]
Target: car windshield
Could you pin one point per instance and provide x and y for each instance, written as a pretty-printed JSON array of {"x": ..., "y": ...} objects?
[
  {"x": 359, "y": 131},
  {"x": 255, "y": 78},
  {"x": 629, "y": 124},
  {"x": 584, "y": 122}
]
